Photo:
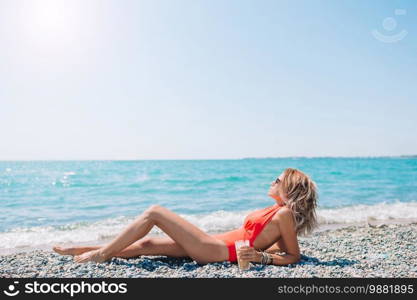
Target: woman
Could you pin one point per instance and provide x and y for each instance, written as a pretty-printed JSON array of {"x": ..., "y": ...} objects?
[{"x": 272, "y": 229}]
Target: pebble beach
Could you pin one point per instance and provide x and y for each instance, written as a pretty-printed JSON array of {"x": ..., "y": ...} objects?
[{"x": 385, "y": 250}]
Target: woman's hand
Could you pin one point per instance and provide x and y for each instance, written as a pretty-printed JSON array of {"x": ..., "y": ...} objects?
[{"x": 249, "y": 253}]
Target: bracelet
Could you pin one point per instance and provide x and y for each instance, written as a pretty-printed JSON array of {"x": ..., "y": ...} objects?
[
  {"x": 263, "y": 261},
  {"x": 271, "y": 259},
  {"x": 266, "y": 258},
  {"x": 263, "y": 256}
]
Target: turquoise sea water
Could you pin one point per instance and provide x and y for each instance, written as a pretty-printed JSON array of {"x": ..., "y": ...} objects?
[{"x": 73, "y": 201}]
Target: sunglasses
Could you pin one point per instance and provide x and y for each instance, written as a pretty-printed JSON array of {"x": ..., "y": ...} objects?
[{"x": 277, "y": 181}]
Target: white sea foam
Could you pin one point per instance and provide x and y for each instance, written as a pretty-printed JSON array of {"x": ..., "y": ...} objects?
[
  {"x": 360, "y": 213},
  {"x": 69, "y": 173},
  {"x": 219, "y": 221}
]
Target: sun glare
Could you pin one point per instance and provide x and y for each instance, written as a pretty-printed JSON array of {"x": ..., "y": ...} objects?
[{"x": 49, "y": 21}]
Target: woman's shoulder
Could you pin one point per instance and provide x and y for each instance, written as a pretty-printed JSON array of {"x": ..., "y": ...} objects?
[{"x": 283, "y": 215}]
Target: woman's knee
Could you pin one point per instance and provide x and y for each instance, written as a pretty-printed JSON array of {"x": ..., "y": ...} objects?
[
  {"x": 153, "y": 211},
  {"x": 146, "y": 242}
]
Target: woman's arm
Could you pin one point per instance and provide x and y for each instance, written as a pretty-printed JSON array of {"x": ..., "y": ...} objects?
[
  {"x": 249, "y": 253},
  {"x": 274, "y": 248},
  {"x": 288, "y": 242},
  {"x": 279, "y": 246},
  {"x": 283, "y": 259}
]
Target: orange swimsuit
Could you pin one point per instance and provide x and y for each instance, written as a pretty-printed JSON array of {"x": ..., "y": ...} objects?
[{"x": 252, "y": 226}]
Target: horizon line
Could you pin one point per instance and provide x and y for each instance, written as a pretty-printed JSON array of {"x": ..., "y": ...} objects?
[{"x": 243, "y": 158}]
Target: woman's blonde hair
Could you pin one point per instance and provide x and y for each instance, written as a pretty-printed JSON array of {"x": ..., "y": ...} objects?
[{"x": 302, "y": 196}]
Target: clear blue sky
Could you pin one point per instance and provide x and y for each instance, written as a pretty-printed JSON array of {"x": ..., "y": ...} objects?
[{"x": 206, "y": 79}]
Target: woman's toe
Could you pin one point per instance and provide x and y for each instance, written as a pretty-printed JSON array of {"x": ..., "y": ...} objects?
[{"x": 58, "y": 249}]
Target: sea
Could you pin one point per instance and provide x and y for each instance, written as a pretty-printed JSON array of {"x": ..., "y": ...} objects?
[{"x": 43, "y": 203}]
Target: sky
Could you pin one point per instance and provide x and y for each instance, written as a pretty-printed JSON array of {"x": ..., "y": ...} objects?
[{"x": 206, "y": 79}]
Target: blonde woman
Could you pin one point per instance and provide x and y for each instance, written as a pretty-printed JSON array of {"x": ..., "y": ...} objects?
[{"x": 269, "y": 230}]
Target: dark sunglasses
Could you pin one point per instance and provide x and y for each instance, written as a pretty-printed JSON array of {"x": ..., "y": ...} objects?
[{"x": 277, "y": 181}]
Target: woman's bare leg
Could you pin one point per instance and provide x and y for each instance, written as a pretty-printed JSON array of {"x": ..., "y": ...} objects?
[
  {"x": 197, "y": 244},
  {"x": 153, "y": 246},
  {"x": 134, "y": 231},
  {"x": 74, "y": 250},
  {"x": 146, "y": 246}
]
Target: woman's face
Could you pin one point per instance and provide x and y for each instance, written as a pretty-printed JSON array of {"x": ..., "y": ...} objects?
[{"x": 275, "y": 191}]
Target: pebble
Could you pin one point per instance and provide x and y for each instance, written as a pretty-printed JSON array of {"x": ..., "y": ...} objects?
[{"x": 355, "y": 251}]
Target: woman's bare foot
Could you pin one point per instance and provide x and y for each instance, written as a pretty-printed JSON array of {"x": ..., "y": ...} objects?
[
  {"x": 65, "y": 251},
  {"x": 94, "y": 256},
  {"x": 77, "y": 250}
]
